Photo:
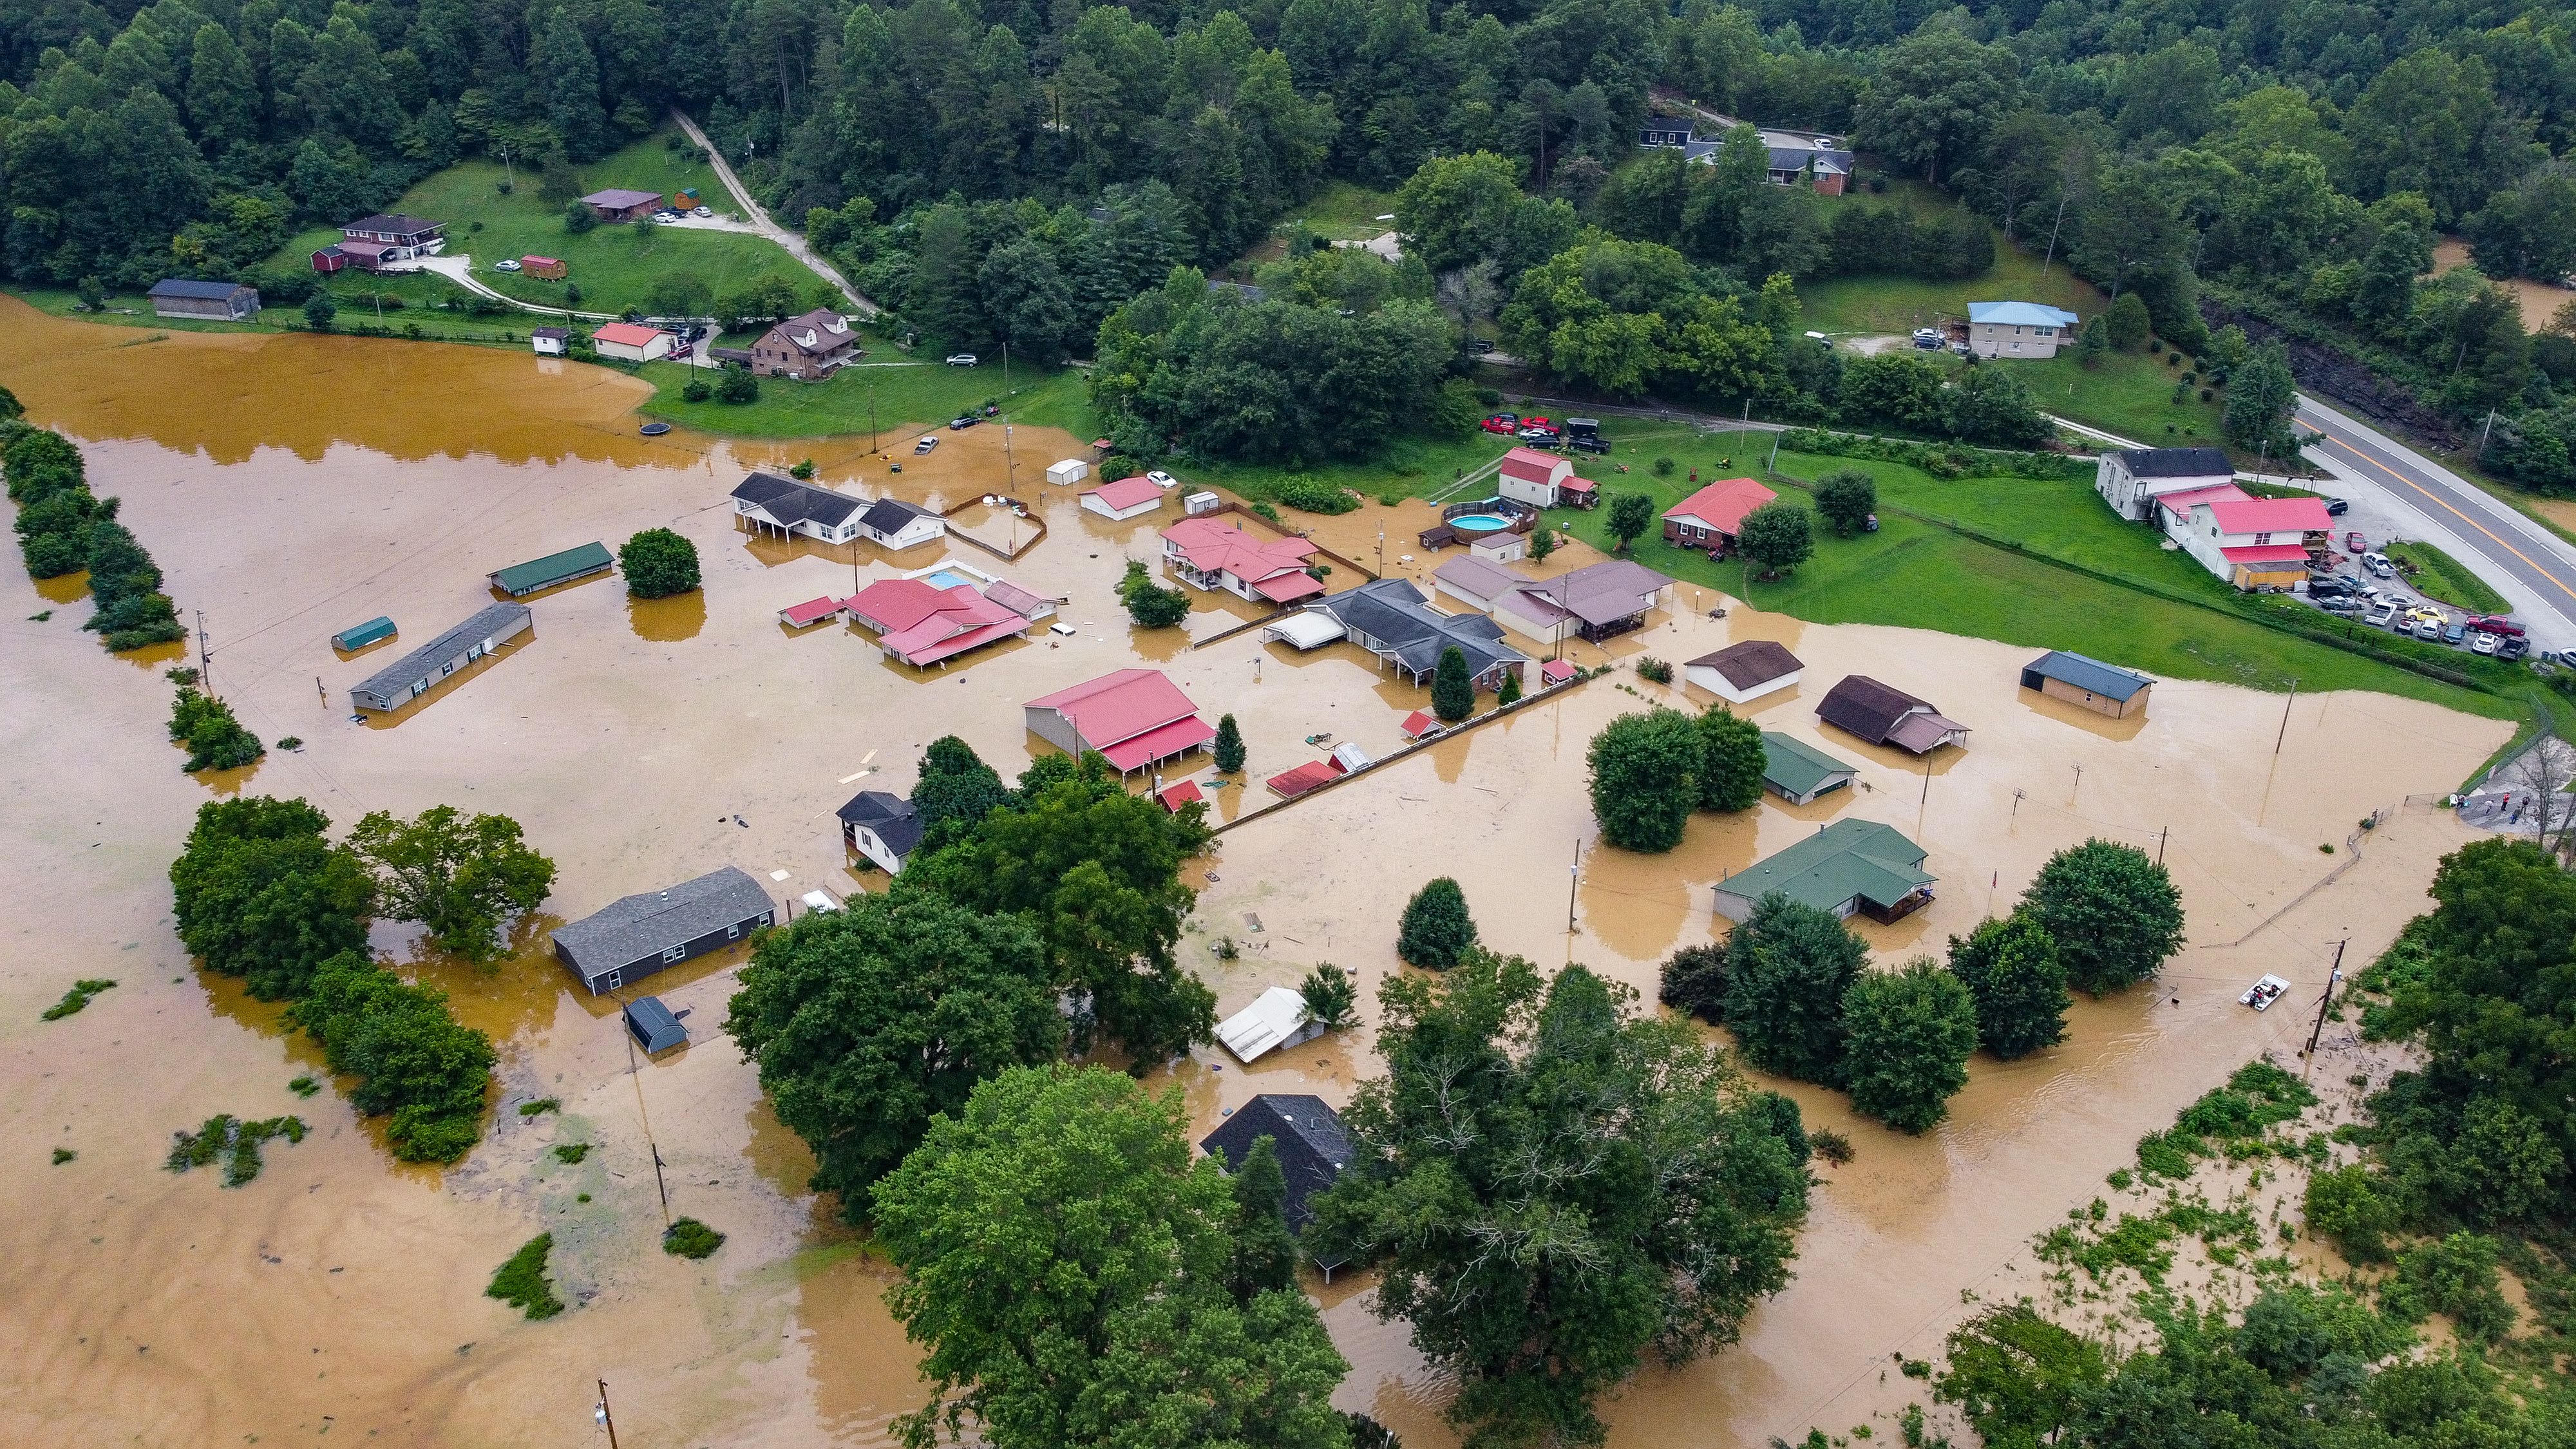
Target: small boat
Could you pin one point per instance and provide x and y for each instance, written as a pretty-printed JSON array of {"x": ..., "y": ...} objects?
[
  {"x": 655, "y": 430},
  {"x": 2265, "y": 990}
]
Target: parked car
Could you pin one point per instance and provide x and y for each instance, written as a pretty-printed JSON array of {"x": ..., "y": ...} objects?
[
  {"x": 1503, "y": 423},
  {"x": 1542, "y": 424},
  {"x": 665, "y": 218},
  {"x": 702, "y": 212},
  {"x": 2429, "y": 630},
  {"x": 1928, "y": 338},
  {"x": 505, "y": 266},
  {"x": 2340, "y": 604},
  {"x": 2327, "y": 586},
  {"x": 2354, "y": 543},
  {"x": 2381, "y": 615},
  {"x": 2495, "y": 624},
  {"x": 2484, "y": 643},
  {"x": 1161, "y": 479},
  {"x": 2338, "y": 507},
  {"x": 928, "y": 442},
  {"x": 2514, "y": 647},
  {"x": 2378, "y": 563},
  {"x": 959, "y": 359},
  {"x": 1537, "y": 437},
  {"x": 1479, "y": 346},
  {"x": 2455, "y": 631},
  {"x": 960, "y": 424}
]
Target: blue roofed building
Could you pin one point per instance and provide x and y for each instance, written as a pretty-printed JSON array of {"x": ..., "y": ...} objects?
[
  {"x": 2019, "y": 329},
  {"x": 2089, "y": 683}
]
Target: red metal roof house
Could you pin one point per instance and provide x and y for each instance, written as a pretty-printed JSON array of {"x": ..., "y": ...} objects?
[
  {"x": 1211, "y": 553},
  {"x": 1710, "y": 517},
  {"x": 922, "y": 625},
  {"x": 1135, "y": 718}
]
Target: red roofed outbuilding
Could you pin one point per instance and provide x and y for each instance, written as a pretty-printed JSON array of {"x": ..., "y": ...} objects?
[
  {"x": 1135, "y": 718},
  {"x": 1535, "y": 478},
  {"x": 1126, "y": 498}
]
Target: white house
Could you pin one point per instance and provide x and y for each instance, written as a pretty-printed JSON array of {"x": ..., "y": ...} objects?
[
  {"x": 896, "y": 524},
  {"x": 1532, "y": 477},
  {"x": 2131, "y": 480},
  {"x": 771, "y": 504},
  {"x": 548, "y": 341},
  {"x": 1068, "y": 472},
  {"x": 1742, "y": 673},
  {"x": 883, "y": 827},
  {"x": 2018, "y": 329},
  {"x": 1124, "y": 499},
  {"x": 1276, "y": 1018},
  {"x": 631, "y": 342},
  {"x": 2253, "y": 543}
]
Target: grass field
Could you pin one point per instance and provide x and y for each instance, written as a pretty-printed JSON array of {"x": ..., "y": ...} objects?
[
  {"x": 2127, "y": 393},
  {"x": 2443, "y": 577},
  {"x": 613, "y": 266},
  {"x": 1922, "y": 575},
  {"x": 1345, "y": 211},
  {"x": 906, "y": 395},
  {"x": 1859, "y": 306}
]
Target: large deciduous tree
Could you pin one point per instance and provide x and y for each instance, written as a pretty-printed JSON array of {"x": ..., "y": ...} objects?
[
  {"x": 956, "y": 790},
  {"x": 867, "y": 1022},
  {"x": 261, "y": 894},
  {"x": 1787, "y": 967},
  {"x": 1907, "y": 1036},
  {"x": 1556, "y": 1188},
  {"x": 2012, "y": 969},
  {"x": 1645, "y": 778},
  {"x": 658, "y": 563},
  {"x": 2113, "y": 913},
  {"x": 1935, "y": 97},
  {"x": 1777, "y": 537},
  {"x": 1069, "y": 1271},
  {"x": 461, "y": 877},
  {"x": 1732, "y": 760}
]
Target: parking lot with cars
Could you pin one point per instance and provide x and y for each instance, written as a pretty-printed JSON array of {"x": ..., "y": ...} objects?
[{"x": 2369, "y": 588}]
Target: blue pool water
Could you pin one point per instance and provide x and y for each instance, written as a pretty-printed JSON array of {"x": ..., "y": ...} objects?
[
  {"x": 1479, "y": 521},
  {"x": 946, "y": 580}
]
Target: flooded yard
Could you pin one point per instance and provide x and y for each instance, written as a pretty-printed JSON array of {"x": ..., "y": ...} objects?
[{"x": 293, "y": 486}]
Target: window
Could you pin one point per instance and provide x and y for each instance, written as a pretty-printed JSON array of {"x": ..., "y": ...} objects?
[
  {"x": 448, "y": 668},
  {"x": 676, "y": 953},
  {"x": 733, "y": 932},
  {"x": 611, "y": 981}
]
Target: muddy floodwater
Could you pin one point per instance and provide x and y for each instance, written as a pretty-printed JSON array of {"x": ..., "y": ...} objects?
[{"x": 294, "y": 486}]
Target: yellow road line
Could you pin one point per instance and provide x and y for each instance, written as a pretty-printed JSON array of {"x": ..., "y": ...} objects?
[{"x": 2365, "y": 460}]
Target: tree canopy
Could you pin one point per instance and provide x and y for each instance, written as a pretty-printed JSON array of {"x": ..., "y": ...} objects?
[
  {"x": 462, "y": 877},
  {"x": 2011, "y": 967},
  {"x": 1642, "y": 1197},
  {"x": 1645, "y": 778},
  {"x": 2113, "y": 913},
  {"x": 1436, "y": 930},
  {"x": 1907, "y": 1036},
  {"x": 1788, "y": 966}
]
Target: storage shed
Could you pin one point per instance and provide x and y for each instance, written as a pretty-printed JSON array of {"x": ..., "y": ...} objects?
[
  {"x": 642, "y": 934},
  {"x": 411, "y": 676},
  {"x": 1068, "y": 472},
  {"x": 521, "y": 580},
  {"x": 1742, "y": 673},
  {"x": 1124, "y": 499},
  {"x": 657, "y": 1028},
  {"x": 213, "y": 301},
  {"x": 2089, "y": 683},
  {"x": 359, "y": 636},
  {"x": 1276, "y": 1018},
  {"x": 1799, "y": 772},
  {"x": 544, "y": 269}
]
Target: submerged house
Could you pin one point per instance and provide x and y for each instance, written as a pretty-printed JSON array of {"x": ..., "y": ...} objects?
[
  {"x": 1276, "y": 1018},
  {"x": 1742, "y": 673},
  {"x": 641, "y": 934},
  {"x": 1849, "y": 866},
  {"x": 1885, "y": 715},
  {"x": 921, "y": 624},
  {"x": 1312, "y": 1145},
  {"x": 771, "y": 504},
  {"x": 410, "y": 677},
  {"x": 1799, "y": 772},
  {"x": 1134, "y": 718},
  {"x": 1391, "y": 619},
  {"x": 1211, "y": 553},
  {"x": 1127, "y": 498},
  {"x": 2090, "y": 683},
  {"x": 1593, "y": 602},
  {"x": 883, "y": 826},
  {"x": 894, "y": 524}
]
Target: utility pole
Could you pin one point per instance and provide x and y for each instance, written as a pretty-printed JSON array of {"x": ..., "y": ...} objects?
[
  {"x": 2285, "y": 717},
  {"x": 1925, "y": 804},
  {"x": 1573, "y": 878},
  {"x": 2334, "y": 978},
  {"x": 2160, "y": 843},
  {"x": 605, "y": 1419},
  {"x": 2079, "y": 785},
  {"x": 2052, "y": 233},
  {"x": 205, "y": 657},
  {"x": 872, "y": 415}
]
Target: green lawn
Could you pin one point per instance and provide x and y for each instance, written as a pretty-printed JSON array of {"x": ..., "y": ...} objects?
[
  {"x": 1921, "y": 575},
  {"x": 2127, "y": 393},
  {"x": 1345, "y": 211},
  {"x": 613, "y": 266},
  {"x": 1854, "y": 306},
  {"x": 906, "y": 393},
  {"x": 2443, "y": 577},
  {"x": 418, "y": 297}
]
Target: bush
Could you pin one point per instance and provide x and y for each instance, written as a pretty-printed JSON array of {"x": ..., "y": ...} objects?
[
  {"x": 1148, "y": 603},
  {"x": 412, "y": 1057},
  {"x": 1664, "y": 467},
  {"x": 1694, "y": 980},
  {"x": 1656, "y": 670},
  {"x": 738, "y": 385},
  {"x": 1776, "y": 536},
  {"x": 658, "y": 563},
  {"x": 2455, "y": 1277},
  {"x": 1788, "y": 966},
  {"x": 1436, "y": 930},
  {"x": 319, "y": 309},
  {"x": 689, "y": 1238},
  {"x": 696, "y": 390},
  {"x": 578, "y": 218},
  {"x": 215, "y": 739},
  {"x": 1313, "y": 495},
  {"x": 521, "y": 1282}
]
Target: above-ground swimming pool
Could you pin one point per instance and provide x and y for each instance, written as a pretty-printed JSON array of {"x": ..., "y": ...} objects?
[
  {"x": 947, "y": 580},
  {"x": 1480, "y": 522}
]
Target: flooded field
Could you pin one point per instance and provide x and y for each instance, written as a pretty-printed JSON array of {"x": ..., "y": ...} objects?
[
  {"x": 293, "y": 486},
  {"x": 2540, "y": 300}
]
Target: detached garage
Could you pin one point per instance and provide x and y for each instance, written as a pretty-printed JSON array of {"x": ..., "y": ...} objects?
[{"x": 1124, "y": 499}]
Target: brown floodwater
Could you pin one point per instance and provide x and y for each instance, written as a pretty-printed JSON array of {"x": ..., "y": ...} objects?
[{"x": 292, "y": 486}]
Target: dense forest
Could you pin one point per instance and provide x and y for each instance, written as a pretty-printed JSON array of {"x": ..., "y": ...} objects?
[{"x": 1016, "y": 171}]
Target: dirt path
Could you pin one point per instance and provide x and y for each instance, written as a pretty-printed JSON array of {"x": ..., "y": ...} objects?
[{"x": 762, "y": 222}]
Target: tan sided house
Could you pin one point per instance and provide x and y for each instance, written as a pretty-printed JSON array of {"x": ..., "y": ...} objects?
[
  {"x": 2018, "y": 329},
  {"x": 806, "y": 347}
]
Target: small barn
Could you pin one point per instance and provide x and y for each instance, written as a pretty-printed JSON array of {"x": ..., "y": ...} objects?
[
  {"x": 521, "y": 580},
  {"x": 410, "y": 677},
  {"x": 209, "y": 301},
  {"x": 883, "y": 826},
  {"x": 1276, "y": 1018},
  {"x": 359, "y": 636},
  {"x": 1882, "y": 714},
  {"x": 641, "y": 934},
  {"x": 1068, "y": 472},
  {"x": 1742, "y": 673},
  {"x": 2088, "y": 683},
  {"x": 631, "y": 342},
  {"x": 1799, "y": 772},
  {"x": 549, "y": 341},
  {"x": 617, "y": 204},
  {"x": 1124, "y": 499},
  {"x": 1307, "y": 1136},
  {"x": 1529, "y": 476},
  {"x": 657, "y": 1028},
  {"x": 330, "y": 259},
  {"x": 544, "y": 269}
]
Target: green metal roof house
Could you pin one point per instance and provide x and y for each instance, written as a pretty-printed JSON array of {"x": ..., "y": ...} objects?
[
  {"x": 1798, "y": 772},
  {"x": 520, "y": 580},
  {"x": 1850, "y": 865}
]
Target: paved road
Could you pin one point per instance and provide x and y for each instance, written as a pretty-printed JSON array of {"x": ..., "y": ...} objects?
[
  {"x": 2528, "y": 564},
  {"x": 792, "y": 242}
]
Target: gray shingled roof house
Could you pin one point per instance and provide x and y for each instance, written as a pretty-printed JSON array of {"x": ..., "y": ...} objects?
[
  {"x": 1391, "y": 619},
  {"x": 1308, "y": 1136},
  {"x": 407, "y": 678},
  {"x": 640, "y": 935},
  {"x": 784, "y": 504},
  {"x": 883, "y": 826}
]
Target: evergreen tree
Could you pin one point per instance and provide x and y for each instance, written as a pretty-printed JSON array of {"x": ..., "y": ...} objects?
[
  {"x": 1510, "y": 693},
  {"x": 1453, "y": 692},
  {"x": 1265, "y": 1252},
  {"x": 1229, "y": 745},
  {"x": 1787, "y": 967},
  {"x": 2011, "y": 968},
  {"x": 1436, "y": 930},
  {"x": 956, "y": 790},
  {"x": 1732, "y": 760},
  {"x": 1907, "y": 1037}
]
